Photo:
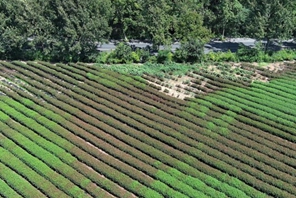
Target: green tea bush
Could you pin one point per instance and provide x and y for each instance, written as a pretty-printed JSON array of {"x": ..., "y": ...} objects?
[
  {"x": 13, "y": 179},
  {"x": 7, "y": 191}
]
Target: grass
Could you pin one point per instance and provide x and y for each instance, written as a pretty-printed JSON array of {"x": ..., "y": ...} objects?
[{"x": 159, "y": 70}]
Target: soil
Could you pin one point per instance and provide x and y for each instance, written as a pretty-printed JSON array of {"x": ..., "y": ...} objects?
[{"x": 177, "y": 88}]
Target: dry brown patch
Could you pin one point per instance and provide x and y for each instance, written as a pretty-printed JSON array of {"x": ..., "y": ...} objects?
[
  {"x": 177, "y": 88},
  {"x": 203, "y": 83},
  {"x": 214, "y": 69}
]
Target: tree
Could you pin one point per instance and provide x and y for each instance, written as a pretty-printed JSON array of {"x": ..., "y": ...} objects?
[
  {"x": 127, "y": 21},
  {"x": 166, "y": 21},
  {"x": 53, "y": 29},
  {"x": 188, "y": 22},
  {"x": 78, "y": 26},
  {"x": 191, "y": 51},
  {"x": 12, "y": 29},
  {"x": 226, "y": 17},
  {"x": 271, "y": 19},
  {"x": 158, "y": 21}
]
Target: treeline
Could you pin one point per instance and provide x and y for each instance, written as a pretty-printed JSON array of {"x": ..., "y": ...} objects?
[{"x": 57, "y": 30}]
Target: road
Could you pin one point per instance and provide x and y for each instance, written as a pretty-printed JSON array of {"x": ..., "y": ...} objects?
[{"x": 229, "y": 44}]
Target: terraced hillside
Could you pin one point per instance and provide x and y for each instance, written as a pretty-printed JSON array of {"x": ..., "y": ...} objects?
[{"x": 80, "y": 131}]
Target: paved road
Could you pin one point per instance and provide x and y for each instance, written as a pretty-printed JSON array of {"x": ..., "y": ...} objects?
[{"x": 230, "y": 44}]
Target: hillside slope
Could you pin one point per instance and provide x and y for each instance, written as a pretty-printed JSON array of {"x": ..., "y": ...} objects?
[{"x": 80, "y": 131}]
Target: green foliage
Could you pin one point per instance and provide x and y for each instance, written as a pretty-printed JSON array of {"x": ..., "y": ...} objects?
[
  {"x": 188, "y": 21},
  {"x": 10, "y": 160},
  {"x": 191, "y": 51},
  {"x": 16, "y": 181},
  {"x": 152, "y": 59},
  {"x": 146, "y": 192},
  {"x": 161, "y": 22},
  {"x": 158, "y": 21},
  {"x": 180, "y": 186},
  {"x": 228, "y": 56},
  {"x": 283, "y": 55},
  {"x": 258, "y": 54},
  {"x": 166, "y": 190},
  {"x": 196, "y": 183},
  {"x": 225, "y": 18},
  {"x": 127, "y": 20},
  {"x": 211, "y": 126},
  {"x": 145, "y": 55},
  {"x": 102, "y": 57},
  {"x": 164, "y": 56},
  {"x": 12, "y": 30},
  {"x": 7, "y": 191},
  {"x": 121, "y": 54},
  {"x": 77, "y": 34},
  {"x": 270, "y": 19},
  {"x": 221, "y": 56},
  {"x": 247, "y": 54},
  {"x": 53, "y": 30},
  {"x": 203, "y": 139},
  {"x": 135, "y": 57},
  {"x": 70, "y": 31},
  {"x": 150, "y": 68},
  {"x": 213, "y": 56},
  {"x": 4, "y": 117}
]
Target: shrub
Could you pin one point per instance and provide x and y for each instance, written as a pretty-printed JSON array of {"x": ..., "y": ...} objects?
[
  {"x": 135, "y": 57},
  {"x": 102, "y": 57},
  {"x": 192, "y": 51},
  {"x": 212, "y": 56},
  {"x": 164, "y": 56},
  {"x": 283, "y": 55},
  {"x": 126, "y": 54},
  {"x": 221, "y": 56},
  {"x": 227, "y": 56},
  {"x": 122, "y": 54},
  {"x": 248, "y": 54},
  {"x": 144, "y": 55},
  {"x": 152, "y": 59}
]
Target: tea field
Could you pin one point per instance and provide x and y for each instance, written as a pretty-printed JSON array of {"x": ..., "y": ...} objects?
[{"x": 78, "y": 130}]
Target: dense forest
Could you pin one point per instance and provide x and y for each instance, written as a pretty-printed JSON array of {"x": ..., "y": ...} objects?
[{"x": 70, "y": 30}]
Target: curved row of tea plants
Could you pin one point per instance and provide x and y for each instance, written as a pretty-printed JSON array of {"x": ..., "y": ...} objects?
[{"x": 116, "y": 130}]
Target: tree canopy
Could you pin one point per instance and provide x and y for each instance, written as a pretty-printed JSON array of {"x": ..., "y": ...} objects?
[
  {"x": 60, "y": 30},
  {"x": 271, "y": 19},
  {"x": 70, "y": 30}
]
